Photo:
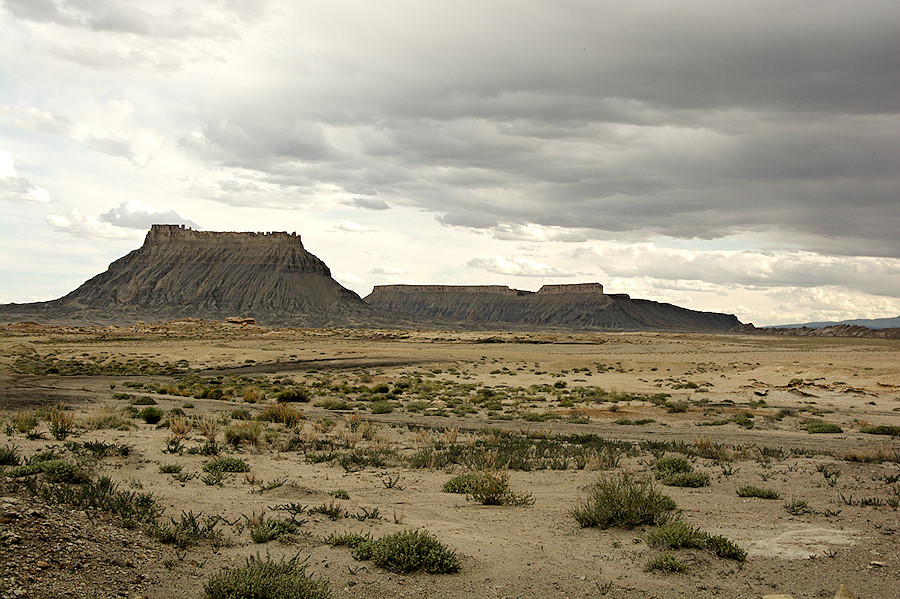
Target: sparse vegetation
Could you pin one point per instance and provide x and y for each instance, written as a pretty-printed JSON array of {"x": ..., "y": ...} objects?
[
  {"x": 623, "y": 500},
  {"x": 751, "y": 491},
  {"x": 264, "y": 578},
  {"x": 408, "y": 551}
]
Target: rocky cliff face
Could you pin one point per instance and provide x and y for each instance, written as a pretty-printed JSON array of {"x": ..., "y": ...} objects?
[
  {"x": 180, "y": 272},
  {"x": 571, "y": 306},
  {"x": 839, "y": 330}
]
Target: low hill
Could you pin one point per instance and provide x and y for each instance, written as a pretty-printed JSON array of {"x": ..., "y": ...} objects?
[
  {"x": 579, "y": 306},
  {"x": 869, "y": 323}
]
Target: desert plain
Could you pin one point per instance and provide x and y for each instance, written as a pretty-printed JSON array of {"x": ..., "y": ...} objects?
[{"x": 358, "y": 431}]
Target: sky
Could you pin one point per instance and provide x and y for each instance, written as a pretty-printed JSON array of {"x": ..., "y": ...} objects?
[{"x": 739, "y": 157}]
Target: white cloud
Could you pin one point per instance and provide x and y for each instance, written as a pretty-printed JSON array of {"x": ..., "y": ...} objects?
[
  {"x": 533, "y": 232},
  {"x": 352, "y": 227},
  {"x": 384, "y": 269},
  {"x": 348, "y": 278},
  {"x": 18, "y": 189},
  {"x": 135, "y": 215},
  {"x": 521, "y": 267},
  {"x": 87, "y": 226}
]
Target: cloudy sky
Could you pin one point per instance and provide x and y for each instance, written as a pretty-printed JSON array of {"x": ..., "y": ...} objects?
[{"x": 740, "y": 157}]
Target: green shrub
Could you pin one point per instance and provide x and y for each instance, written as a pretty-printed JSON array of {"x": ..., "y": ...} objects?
[
  {"x": 818, "y": 426},
  {"x": 340, "y": 494},
  {"x": 239, "y": 415},
  {"x": 672, "y": 464},
  {"x": 226, "y": 464},
  {"x": 381, "y": 407},
  {"x": 170, "y": 468},
  {"x": 492, "y": 488},
  {"x": 686, "y": 479},
  {"x": 292, "y": 395},
  {"x": 751, "y": 491},
  {"x": 463, "y": 483},
  {"x": 881, "y": 429},
  {"x": 143, "y": 401},
  {"x": 57, "y": 471},
  {"x": 408, "y": 551},
  {"x": 333, "y": 404},
  {"x": 9, "y": 456},
  {"x": 271, "y": 529},
  {"x": 235, "y": 434},
  {"x": 266, "y": 579},
  {"x": 348, "y": 539},
  {"x": 281, "y": 412},
  {"x": 623, "y": 500},
  {"x": 151, "y": 415},
  {"x": 61, "y": 424},
  {"x": 680, "y": 535},
  {"x": 665, "y": 562}
]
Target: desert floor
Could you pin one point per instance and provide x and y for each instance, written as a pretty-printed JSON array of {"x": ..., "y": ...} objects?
[{"x": 388, "y": 417}]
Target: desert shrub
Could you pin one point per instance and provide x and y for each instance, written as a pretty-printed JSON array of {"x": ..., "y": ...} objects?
[
  {"x": 151, "y": 415},
  {"x": 239, "y": 415},
  {"x": 492, "y": 488},
  {"x": 226, "y": 464},
  {"x": 144, "y": 401},
  {"x": 623, "y": 500},
  {"x": 292, "y": 395},
  {"x": 348, "y": 539},
  {"x": 677, "y": 471},
  {"x": 58, "y": 471},
  {"x": 408, "y": 551},
  {"x": 106, "y": 417},
  {"x": 250, "y": 432},
  {"x": 818, "y": 426},
  {"x": 266, "y": 579},
  {"x": 24, "y": 422},
  {"x": 881, "y": 429},
  {"x": 462, "y": 483},
  {"x": 170, "y": 468},
  {"x": 330, "y": 403},
  {"x": 680, "y": 535},
  {"x": 751, "y": 491},
  {"x": 687, "y": 479},
  {"x": 189, "y": 530},
  {"x": 381, "y": 407},
  {"x": 272, "y": 529},
  {"x": 665, "y": 562},
  {"x": 281, "y": 412},
  {"x": 9, "y": 456},
  {"x": 797, "y": 507},
  {"x": 61, "y": 424}
]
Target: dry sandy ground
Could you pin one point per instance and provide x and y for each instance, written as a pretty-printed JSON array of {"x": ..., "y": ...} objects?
[{"x": 536, "y": 550}]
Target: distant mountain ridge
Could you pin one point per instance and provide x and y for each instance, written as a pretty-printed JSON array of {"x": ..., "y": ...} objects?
[
  {"x": 580, "y": 306},
  {"x": 870, "y": 323}
]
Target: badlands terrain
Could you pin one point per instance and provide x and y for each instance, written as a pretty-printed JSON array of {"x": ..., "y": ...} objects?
[{"x": 785, "y": 450}]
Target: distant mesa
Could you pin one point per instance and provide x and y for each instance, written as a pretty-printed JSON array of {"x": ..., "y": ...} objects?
[
  {"x": 180, "y": 272},
  {"x": 576, "y": 306}
]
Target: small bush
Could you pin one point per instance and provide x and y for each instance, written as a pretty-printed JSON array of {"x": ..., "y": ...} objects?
[
  {"x": 144, "y": 401},
  {"x": 266, "y": 579},
  {"x": 381, "y": 407},
  {"x": 751, "y": 491},
  {"x": 151, "y": 415},
  {"x": 408, "y": 551},
  {"x": 818, "y": 426},
  {"x": 463, "y": 483},
  {"x": 61, "y": 424},
  {"x": 292, "y": 395},
  {"x": 250, "y": 432},
  {"x": 57, "y": 471},
  {"x": 623, "y": 500},
  {"x": 492, "y": 488},
  {"x": 226, "y": 464},
  {"x": 665, "y": 562},
  {"x": 284, "y": 413},
  {"x": 687, "y": 479},
  {"x": 271, "y": 529},
  {"x": 348, "y": 539},
  {"x": 881, "y": 429},
  {"x": 680, "y": 535},
  {"x": 797, "y": 507},
  {"x": 170, "y": 468},
  {"x": 9, "y": 456}
]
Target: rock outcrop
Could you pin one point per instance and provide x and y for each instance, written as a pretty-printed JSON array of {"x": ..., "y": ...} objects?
[
  {"x": 180, "y": 272},
  {"x": 580, "y": 306}
]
